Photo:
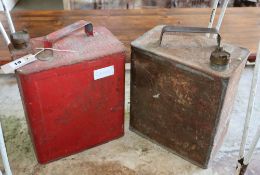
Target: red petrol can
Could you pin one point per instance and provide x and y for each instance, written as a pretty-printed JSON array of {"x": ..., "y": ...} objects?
[{"x": 75, "y": 100}]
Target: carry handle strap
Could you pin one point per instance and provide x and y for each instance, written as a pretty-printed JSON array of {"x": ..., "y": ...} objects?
[{"x": 166, "y": 29}]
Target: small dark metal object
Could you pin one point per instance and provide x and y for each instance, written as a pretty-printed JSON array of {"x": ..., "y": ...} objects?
[
  {"x": 219, "y": 58},
  {"x": 20, "y": 39},
  {"x": 252, "y": 57},
  {"x": 243, "y": 166},
  {"x": 89, "y": 29},
  {"x": 243, "y": 169}
]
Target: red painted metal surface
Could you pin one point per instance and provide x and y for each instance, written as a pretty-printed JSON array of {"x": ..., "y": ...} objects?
[{"x": 66, "y": 109}]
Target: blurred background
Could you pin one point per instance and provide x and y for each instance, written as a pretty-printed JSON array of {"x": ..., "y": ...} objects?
[{"x": 119, "y": 4}]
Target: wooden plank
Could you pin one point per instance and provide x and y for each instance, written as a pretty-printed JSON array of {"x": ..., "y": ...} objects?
[
  {"x": 136, "y": 4},
  {"x": 240, "y": 26}
]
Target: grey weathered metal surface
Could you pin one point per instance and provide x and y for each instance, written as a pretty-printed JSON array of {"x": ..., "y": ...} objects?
[{"x": 177, "y": 99}]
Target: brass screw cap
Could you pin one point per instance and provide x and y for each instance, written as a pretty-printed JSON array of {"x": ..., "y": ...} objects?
[{"x": 219, "y": 59}]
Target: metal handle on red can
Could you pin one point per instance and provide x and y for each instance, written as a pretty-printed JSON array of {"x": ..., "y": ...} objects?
[
  {"x": 166, "y": 29},
  {"x": 57, "y": 35}
]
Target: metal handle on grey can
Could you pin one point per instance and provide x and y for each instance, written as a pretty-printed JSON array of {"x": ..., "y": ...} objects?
[
  {"x": 219, "y": 58},
  {"x": 166, "y": 29}
]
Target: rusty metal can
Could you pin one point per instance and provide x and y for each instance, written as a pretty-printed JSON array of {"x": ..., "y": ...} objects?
[{"x": 179, "y": 98}]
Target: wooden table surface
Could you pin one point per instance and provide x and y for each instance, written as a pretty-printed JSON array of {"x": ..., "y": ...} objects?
[{"x": 241, "y": 26}]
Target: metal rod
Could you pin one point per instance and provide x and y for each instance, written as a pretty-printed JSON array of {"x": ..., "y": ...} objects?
[
  {"x": 221, "y": 16},
  {"x": 249, "y": 155},
  {"x": 212, "y": 15},
  {"x": 244, "y": 162},
  {"x": 250, "y": 104},
  {"x": 4, "y": 154},
  {"x": 9, "y": 18},
  {"x": 6, "y": 38}
]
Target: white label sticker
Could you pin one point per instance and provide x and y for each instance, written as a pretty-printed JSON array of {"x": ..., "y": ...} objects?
[
  {"x": 103, "y": 72},
  {"x": 10, "y": 67}
]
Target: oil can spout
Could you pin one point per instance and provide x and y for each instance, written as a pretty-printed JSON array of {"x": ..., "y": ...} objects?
[
  {"x": 219, "y": 59},
  {"x": 20, "y": 39}
]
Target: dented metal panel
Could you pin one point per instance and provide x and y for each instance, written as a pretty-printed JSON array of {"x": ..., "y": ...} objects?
[{"x": 177, "y": 99}]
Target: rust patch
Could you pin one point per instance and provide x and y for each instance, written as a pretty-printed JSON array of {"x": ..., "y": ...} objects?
[
  {"x": 181, "y": 117},
  {"x": 177, "y": 99},
  {"x": 176, "y": 106}
]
